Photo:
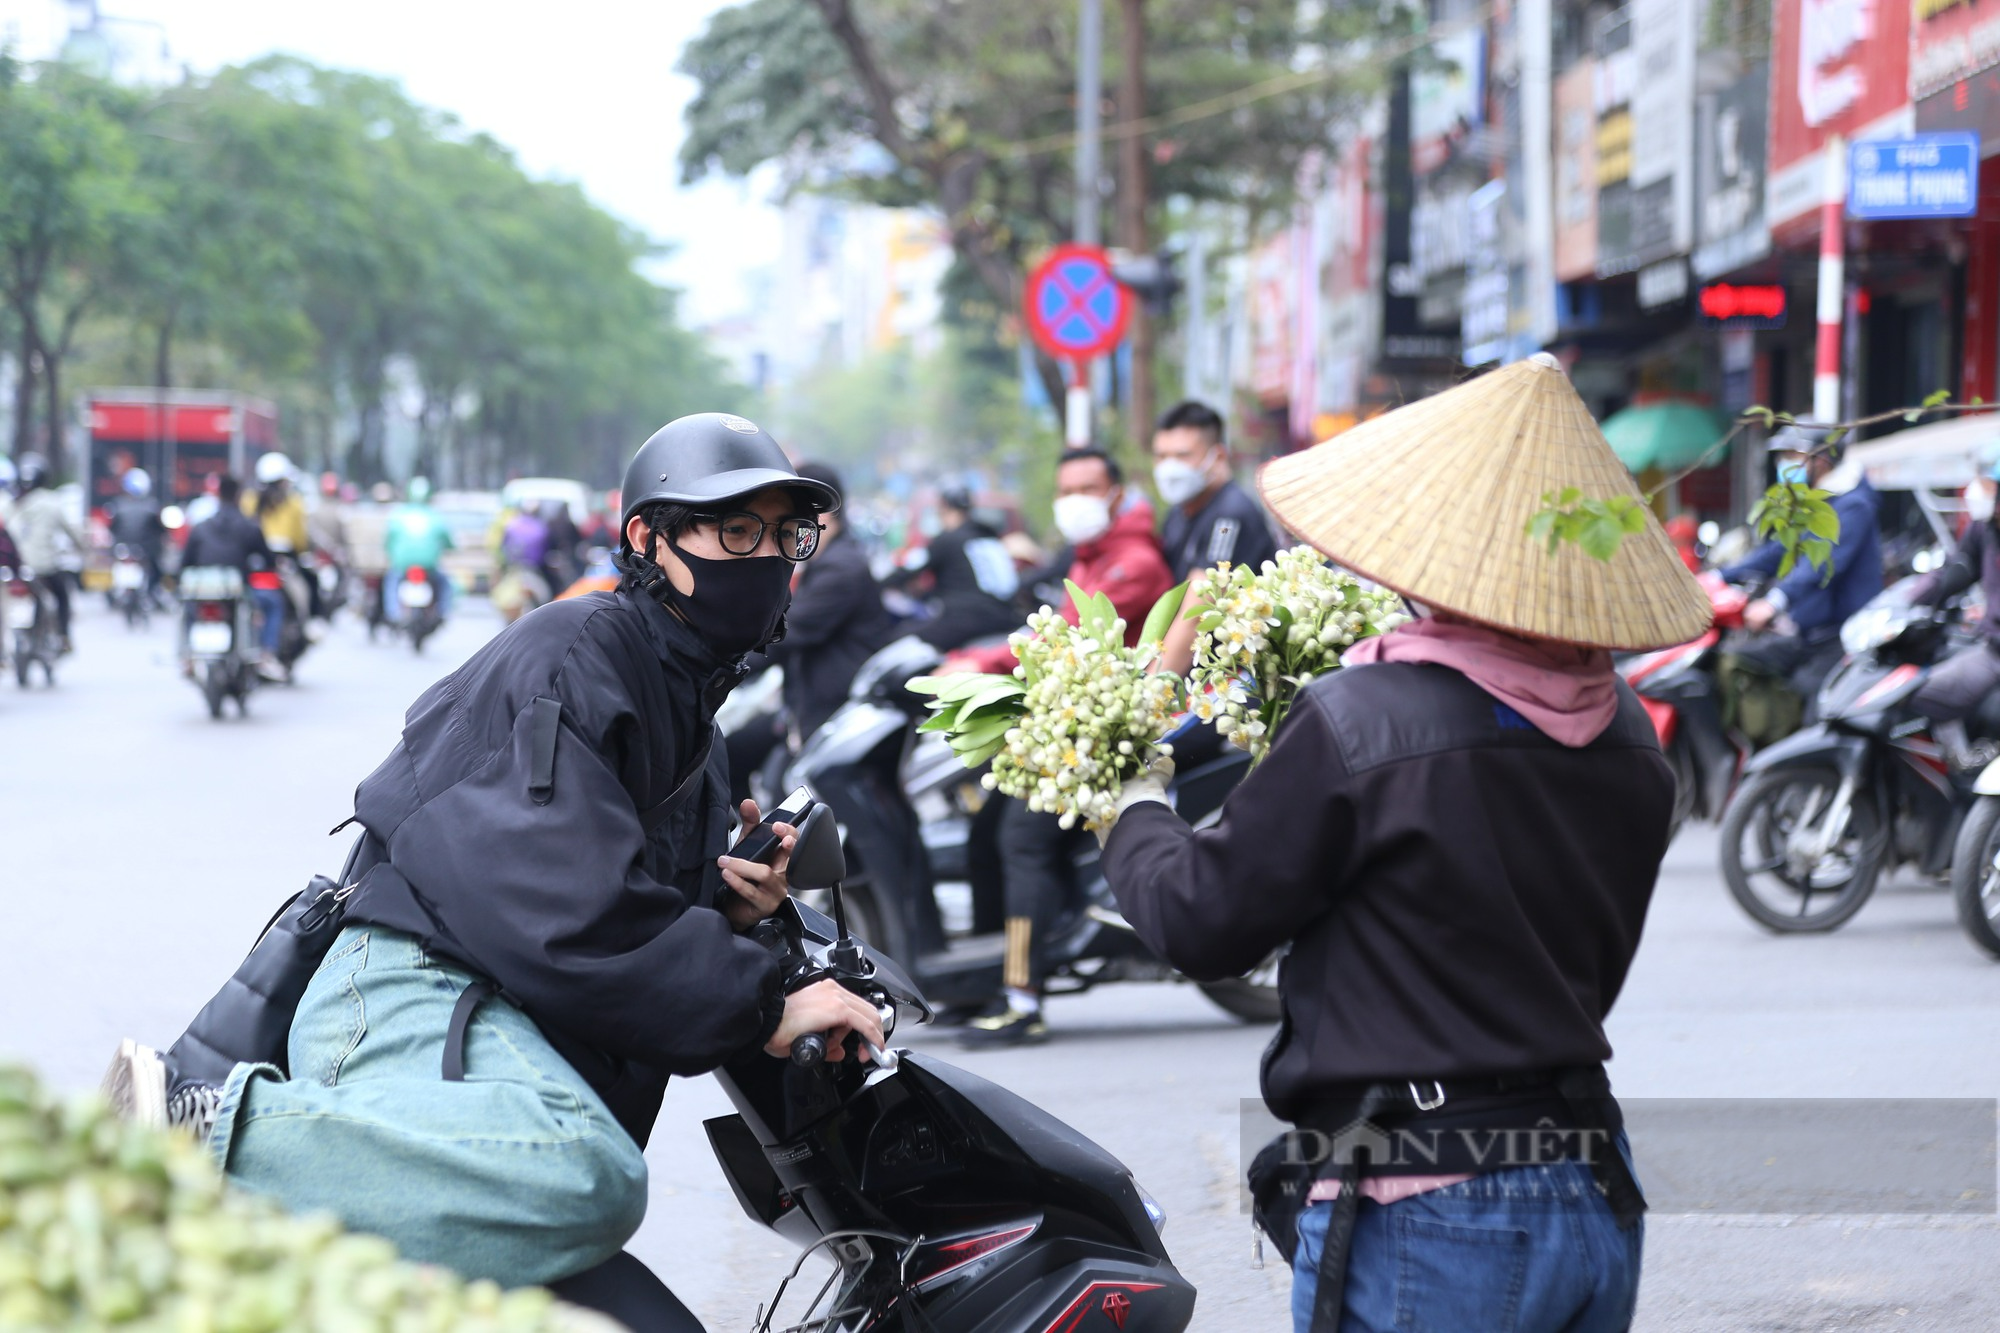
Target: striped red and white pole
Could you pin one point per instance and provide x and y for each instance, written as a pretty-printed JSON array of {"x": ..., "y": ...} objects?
[{"x": 1832, "y": 282}]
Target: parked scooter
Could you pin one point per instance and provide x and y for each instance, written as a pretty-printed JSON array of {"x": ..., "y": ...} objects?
[
  {"x": 1823, "y": 813},
  {"x": 1679, "y": 689},
  {"x": 219, "y": 644},
  {"x": 31, "y": 623},
  {"x": 920, "y": 838},
  {"x": 128, "y": 586},
  {"x": 946, "y": 1202}
]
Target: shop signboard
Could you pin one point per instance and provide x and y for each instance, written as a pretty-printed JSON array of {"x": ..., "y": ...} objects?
[
  {"x": 1928, "y": 176},
  {"x": 1345, "y": 239},
  {"x": 1447, "y": 163},
  {"x": 1272, "y": 296},
  {"x": 1837, "y": 67},
  {"x": 1955, "y": 68},
  {"x": 1729, "y": 171},
  {"x": 1663, "y": 51},
  {"x": 1576, "y": 173},
  {"x": 1483, "y": 323},
  {"x": 1614, "y": 76},
  {"x": 1405, "y": 336}
]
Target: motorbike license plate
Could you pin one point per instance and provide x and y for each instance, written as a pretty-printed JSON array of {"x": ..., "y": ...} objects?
[
  {"x": 20, "y": 613},
  {"x": 128, "y": 577},
  {"x": 416, "y": 594},
  {"x": 210, "y": 640}
]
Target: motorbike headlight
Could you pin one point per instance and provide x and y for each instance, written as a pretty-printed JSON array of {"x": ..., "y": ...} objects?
[
  {"x": 1870, "y": 628},
  {"x": 1156, "y": 1214}
]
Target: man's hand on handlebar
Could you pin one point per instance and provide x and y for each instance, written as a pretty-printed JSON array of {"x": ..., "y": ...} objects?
[
  {"x": 1759, "y": 615},
  {"x": 827, "y": 1007},
  {"x": 759, "y": 888}
]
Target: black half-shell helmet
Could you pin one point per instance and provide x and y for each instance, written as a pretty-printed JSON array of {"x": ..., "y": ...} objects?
[{"x": 709, "y": 459}]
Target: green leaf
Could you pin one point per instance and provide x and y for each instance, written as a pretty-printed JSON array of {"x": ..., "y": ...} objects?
[
  {"x": 974, "y": 758},
  {"x": 1822, "y": 521},
  {"x": 1601, "y": 538},
  {"x": 1633, "y": 517},
  {"x": 1161, "y": 618}
]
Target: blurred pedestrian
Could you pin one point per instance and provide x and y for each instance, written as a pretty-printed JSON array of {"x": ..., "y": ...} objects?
[
  {"x": 1116, "y": 554},
  {"x": 836, "y": 621},
  {"x": 1210, "y": 519}
]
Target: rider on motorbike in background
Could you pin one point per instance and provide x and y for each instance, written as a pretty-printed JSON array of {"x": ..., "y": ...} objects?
[
  {"x": 135, "y": 523},
  {"x": 281, "y": 512},
  {"x": 974, "y": 578},
  {"x": 46, "y": 537},
  {"x": 228, "y": 539},
  {"x": 1806, "y": 608},
  {"x": 417, "y": 539},
  {"x": 836, "y": 622},
  {"x": 1958, "y": 685}
]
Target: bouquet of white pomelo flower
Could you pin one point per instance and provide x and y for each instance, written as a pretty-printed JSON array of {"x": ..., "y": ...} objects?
[
  {"x": 1264, "y": 635},
  {"x": 1075, "y": 720}
]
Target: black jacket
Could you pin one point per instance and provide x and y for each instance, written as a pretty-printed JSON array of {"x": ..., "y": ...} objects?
[
  {"x": 974, "y": 582},
  {"x": 1463, "y": 895},
  {"x": 599, "y": 928},
  {"x": 836, "y": 622},
  {"x": 1232, "y": 526},
  {"x": 227, "y": 539},
  {"x": 1976, "y": 560},
  {"x": 135, "y": 521}
]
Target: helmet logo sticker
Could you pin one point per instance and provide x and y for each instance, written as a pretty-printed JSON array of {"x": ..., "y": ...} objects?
[{"x": 739, "y": 425}]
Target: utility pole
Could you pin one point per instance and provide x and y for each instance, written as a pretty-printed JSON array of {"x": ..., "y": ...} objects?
[
  {"x": 1132, "y": 198},
  {"x": 1089, "y": 170}
]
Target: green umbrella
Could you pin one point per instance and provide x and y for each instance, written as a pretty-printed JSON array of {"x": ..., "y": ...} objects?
[{"x": 1667, "y": 434}]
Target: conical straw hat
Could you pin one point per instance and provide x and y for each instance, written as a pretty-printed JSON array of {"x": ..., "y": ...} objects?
[{"x": 1434, "y": 499}]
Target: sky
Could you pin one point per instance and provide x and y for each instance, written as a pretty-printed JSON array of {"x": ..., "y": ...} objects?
[{"x": 582, "y": 90}]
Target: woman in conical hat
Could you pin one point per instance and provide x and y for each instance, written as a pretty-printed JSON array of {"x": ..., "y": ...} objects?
[{"x": 1458, "y": 837}]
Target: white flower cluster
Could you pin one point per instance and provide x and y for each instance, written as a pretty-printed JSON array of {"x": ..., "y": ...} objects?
[
  {"x": 1092, "y": 717},
  {"x": 1265, "y": 635}
]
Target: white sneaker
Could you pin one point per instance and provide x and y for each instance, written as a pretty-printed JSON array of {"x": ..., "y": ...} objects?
[{"x": 136, "y": 1085}]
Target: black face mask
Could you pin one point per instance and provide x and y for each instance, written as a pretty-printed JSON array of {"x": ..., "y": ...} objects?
[{"x": 737, "y": 604}]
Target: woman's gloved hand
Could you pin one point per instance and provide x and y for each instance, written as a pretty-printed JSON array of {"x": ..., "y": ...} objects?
[{"x": 1150, "y": 785}]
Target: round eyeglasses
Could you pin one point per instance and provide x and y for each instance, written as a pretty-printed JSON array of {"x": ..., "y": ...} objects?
[{"x": 742, "y": 533}]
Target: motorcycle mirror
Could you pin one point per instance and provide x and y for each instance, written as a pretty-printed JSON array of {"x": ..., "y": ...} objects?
[{"x": 817, "y": 859}]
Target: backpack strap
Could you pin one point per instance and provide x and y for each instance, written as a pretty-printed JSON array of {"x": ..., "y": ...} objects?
[
  {"x": 542, "y": 749},
  {"x": 689, "y": 786}
]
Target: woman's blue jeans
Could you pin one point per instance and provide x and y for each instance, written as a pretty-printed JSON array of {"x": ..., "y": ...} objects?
[
  {"x": 519, "y": 1173},
  {"x": 1532, "y": 1250}
]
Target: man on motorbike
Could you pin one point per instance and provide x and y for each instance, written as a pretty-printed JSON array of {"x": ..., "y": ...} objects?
[
  {"x": 973, "y": 575},
  {"x": 417, "y": 539},
  {"x": 135, "y": 523},
  {"x": 228, "y": 539},
  {"x": 544, "y": 908},
  {"x": 1211, "y": 518},
  {"x": 1458, "y": 835},
  {"x": 48, "y": 540},
  {"x": 1957, "y": 686},
  {"x": 836, "y": 623},
  {"x": 1812, "y": 605},
  {"x": 1116, "y": 554}
]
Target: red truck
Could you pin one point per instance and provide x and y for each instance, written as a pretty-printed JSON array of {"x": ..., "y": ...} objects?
[{"x": 180, "y": 436}]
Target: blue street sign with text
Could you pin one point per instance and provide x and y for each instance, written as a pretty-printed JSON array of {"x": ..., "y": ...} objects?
[{"x": 1928, "y": 176}]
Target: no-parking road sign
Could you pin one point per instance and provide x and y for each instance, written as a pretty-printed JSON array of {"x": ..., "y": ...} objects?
[{"x": 1076, "y": 310}]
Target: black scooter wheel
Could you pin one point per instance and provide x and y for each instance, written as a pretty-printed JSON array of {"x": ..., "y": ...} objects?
[
  {"x": 1756, "y": 831},
  {"x": 1975, "y": 876}
]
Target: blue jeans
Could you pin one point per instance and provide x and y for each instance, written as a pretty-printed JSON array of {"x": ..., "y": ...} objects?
[
  {"x": 519, "y": 1173},
  {"x": 1532, "y": 1250},
  {"x": 271, "y": 618}
]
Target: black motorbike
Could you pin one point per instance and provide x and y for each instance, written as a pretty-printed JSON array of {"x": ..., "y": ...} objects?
[
  {"x": 921, "y": 840},
  {"x": 945, "y": 1203},
  {"x": 217, "y": 637},
  {"x": 1822, "y": 814},
  {"x": 130, "y": 595},
  {"x": 31, "y": 623}
]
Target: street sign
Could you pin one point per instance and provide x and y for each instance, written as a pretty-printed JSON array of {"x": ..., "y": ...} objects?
[
  {"x": 1929, "y": 176},
  {"x": 1075, "y": 309}
]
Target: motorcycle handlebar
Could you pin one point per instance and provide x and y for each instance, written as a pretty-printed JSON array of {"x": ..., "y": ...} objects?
[{"x": 809, "y": 1050}]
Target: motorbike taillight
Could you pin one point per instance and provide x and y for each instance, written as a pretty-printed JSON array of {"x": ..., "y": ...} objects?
[
  {"x": 940, "y": 1259},
  {"x": 211, "y": 610},
  {"x": 266, "y": 581},
  {"x": 416, "y": 574}
]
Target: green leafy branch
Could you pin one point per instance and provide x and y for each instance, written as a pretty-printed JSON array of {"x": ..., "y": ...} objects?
[{"x": 1797, "y": 516}]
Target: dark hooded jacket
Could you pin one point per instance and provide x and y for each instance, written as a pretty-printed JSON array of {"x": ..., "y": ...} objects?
[{"x": 521, "y": 826}]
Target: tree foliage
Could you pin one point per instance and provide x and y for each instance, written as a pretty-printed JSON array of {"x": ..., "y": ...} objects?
[
  {"x": 966, "y": 108},
  {"x": 316, "y": 235}
]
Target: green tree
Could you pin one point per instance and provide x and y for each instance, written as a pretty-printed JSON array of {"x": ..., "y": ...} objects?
[{"x": 967, "y": 109}]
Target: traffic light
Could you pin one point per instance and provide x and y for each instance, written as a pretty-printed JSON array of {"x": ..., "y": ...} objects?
[{"x": 1149, "y": 277}]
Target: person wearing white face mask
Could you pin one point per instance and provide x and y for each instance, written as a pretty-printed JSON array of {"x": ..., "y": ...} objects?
[
  {"x": 1958, "y": 686},
  {"x": 1211, "y": 518},
  {"x": 1114, "y": 553}
]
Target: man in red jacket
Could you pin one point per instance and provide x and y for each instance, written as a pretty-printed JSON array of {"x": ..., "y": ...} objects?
[{"x": 1115, "y": 554}]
